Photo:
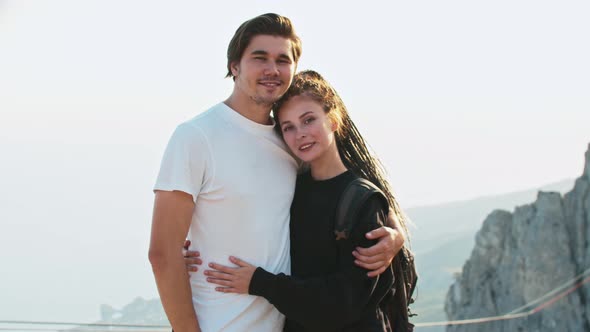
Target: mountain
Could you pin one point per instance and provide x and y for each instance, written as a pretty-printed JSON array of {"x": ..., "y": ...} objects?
[
  {"x": 140, "y": 311},
  {"x": 440, "y": 223},
  {"x": 442, "y": 240},
  {"x": 522, "y": 255}
]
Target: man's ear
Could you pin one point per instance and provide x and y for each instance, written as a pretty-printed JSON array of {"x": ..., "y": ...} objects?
[{"x": 235, "y": 68}]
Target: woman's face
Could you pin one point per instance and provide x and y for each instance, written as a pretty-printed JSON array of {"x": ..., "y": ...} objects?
[{"x": 306, "y": 128}]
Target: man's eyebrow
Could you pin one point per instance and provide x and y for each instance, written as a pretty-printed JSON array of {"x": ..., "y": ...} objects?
[
  {"x": 259, "y": 52},
  {"x": 285, "y": 57},
  {"x": 263, "y": 52}
]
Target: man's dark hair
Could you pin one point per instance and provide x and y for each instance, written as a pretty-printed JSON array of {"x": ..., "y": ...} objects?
[{"x": 266, "y": 24}]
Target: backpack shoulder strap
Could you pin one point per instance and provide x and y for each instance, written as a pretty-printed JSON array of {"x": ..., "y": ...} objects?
[
  {"x": 395, "y": 305},
  {"x": 354, "y": 196}
]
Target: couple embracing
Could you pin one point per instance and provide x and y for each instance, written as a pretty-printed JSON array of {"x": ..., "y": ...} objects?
[{"x": 257, "y": 196}]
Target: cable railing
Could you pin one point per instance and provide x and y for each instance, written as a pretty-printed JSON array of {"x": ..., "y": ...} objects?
[
  {"x": 20, "y": 325},
  {"x": 530, "y": 308},
  {"x": 543, "y": 302}
]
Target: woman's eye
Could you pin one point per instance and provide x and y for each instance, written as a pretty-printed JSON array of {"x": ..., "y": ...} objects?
[
  {"x": 308, "y": 120},
  {"x": 286, "y": 128}
]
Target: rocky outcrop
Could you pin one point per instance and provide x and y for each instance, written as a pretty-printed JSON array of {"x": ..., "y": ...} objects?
[
  {"x": 519, "y": 257},
  {"x": 139, "y": 311}
]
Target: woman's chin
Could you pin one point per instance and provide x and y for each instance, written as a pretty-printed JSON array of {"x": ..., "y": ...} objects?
[
  {"x": 310, "y": 161},
  {"x": 305, "y": 157}
]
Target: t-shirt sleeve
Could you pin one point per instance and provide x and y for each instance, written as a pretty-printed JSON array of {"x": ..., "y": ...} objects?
[
  {"x": 330, "y": 302},
  {"x": 186, "y": 162}
]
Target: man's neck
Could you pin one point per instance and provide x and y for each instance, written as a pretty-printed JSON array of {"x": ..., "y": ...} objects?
[{"x": 256, "y": 112}]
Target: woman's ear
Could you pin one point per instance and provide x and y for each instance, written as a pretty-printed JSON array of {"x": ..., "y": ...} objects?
[{"x": 334, "y": 125}]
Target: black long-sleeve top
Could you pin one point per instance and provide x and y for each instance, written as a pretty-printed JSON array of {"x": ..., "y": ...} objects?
[{"x": 327, "y": 291}]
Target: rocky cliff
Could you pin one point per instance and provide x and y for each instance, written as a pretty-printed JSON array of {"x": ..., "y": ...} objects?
[
  {"x": 139, "y": 311},
  {"x": 519, "y": 257}
]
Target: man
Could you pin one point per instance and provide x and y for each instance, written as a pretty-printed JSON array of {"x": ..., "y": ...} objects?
[{"x": 227, "y": 181}]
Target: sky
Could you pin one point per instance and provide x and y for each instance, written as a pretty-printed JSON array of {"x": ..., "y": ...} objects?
[{"x": 458, "y": 98}]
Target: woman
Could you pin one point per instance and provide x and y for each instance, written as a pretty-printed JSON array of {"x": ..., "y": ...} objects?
[{"x": 326, "y": 291}]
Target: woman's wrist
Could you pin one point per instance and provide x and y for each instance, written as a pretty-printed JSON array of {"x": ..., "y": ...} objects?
[{"x": 259, "y": 283}]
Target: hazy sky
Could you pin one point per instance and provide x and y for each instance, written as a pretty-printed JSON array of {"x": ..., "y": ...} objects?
[{"x": 458, "y": 98}]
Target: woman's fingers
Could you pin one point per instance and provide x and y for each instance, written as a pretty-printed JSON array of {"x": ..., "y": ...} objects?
[
  {"x": 226, "y": 289},
  {"x": 192, "y": 261},
  {"x": 219, "y": 275},
  {"x": 238, "y": 261},
  {"x": 221, "y": 268},
  {"x": 192, "y": 253},
  {"x": 220, "y": 282}
]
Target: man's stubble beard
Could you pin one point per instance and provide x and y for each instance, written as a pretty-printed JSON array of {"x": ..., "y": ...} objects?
[{"x": 266, "y": 102}]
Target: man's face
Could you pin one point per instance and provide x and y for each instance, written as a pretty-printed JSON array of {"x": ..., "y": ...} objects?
[{"x": 265, "y": 70}]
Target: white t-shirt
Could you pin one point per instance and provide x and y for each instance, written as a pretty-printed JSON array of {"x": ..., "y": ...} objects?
[{"x": 242, "y": 180}]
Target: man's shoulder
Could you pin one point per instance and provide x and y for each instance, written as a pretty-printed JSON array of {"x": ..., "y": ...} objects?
[
  {"x": 201, "y": 124},
  {"x": 207, "y": 117}
]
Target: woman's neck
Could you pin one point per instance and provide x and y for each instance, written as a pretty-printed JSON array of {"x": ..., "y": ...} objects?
[{"x": 327, "y": 166}]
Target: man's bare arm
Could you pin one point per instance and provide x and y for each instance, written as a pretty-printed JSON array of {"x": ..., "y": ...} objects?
[
  {"x": 378, "y": 257},
  {"x": 170, "y": 223}
]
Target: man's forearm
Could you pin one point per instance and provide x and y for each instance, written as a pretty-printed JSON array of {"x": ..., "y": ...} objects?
[
  {"x": 175, "y": 292},
  {"x": 170, "y": 224}
]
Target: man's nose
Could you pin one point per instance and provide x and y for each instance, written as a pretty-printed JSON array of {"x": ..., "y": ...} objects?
[{"x": 271, "y": 68}]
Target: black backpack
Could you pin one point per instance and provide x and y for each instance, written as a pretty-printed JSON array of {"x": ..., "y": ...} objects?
[{"x": 399, "y": 297}]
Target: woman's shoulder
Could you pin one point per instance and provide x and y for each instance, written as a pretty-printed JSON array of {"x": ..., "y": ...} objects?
[
  {"x": 304, "y": 176},
  {"x": 360, "y": 196}
]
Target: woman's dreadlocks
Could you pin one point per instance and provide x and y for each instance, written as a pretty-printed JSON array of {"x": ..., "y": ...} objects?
[{"x": 351, "y": 145}]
